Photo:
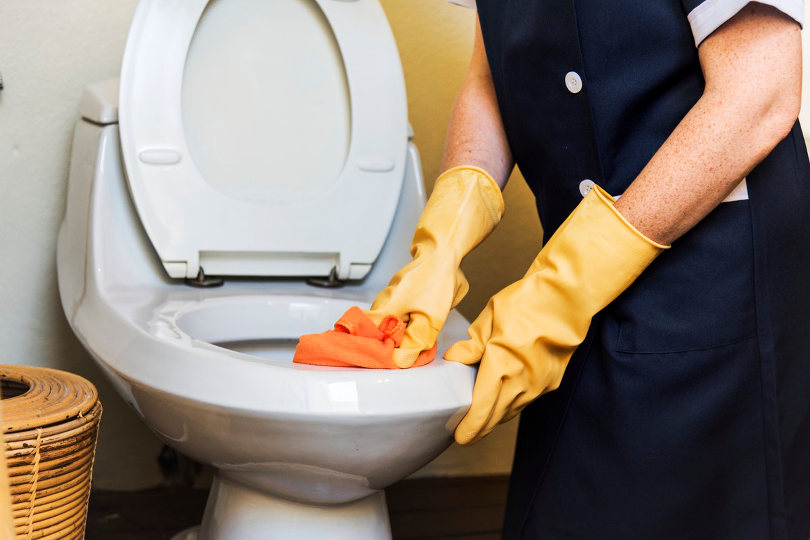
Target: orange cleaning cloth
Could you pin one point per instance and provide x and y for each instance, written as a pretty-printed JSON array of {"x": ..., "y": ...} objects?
[{"x": 357, "y": 342}]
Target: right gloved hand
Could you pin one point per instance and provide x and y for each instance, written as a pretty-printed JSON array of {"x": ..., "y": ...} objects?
[
  {"x": 528, "y": 332},
  {"x": 466, "y": 204}
]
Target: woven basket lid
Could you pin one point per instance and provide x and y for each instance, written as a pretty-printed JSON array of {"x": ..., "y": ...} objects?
[{"x": 34, "y": 397}]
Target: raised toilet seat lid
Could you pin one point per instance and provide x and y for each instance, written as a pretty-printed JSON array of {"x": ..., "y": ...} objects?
[{"x": 263, "y": 138}]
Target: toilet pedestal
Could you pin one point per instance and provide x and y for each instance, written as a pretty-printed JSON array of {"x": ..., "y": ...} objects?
[{"x": 236, "y": 511}]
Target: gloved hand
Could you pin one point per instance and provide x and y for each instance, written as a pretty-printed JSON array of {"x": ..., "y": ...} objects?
[
  {"x": 529, "y": 330},
  {"x": 466, "y": 204}
]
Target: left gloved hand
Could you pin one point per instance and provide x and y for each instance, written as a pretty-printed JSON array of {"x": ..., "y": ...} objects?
[
  {"x": 465, "y": 206},
  {"x": 529, "y": 330}
]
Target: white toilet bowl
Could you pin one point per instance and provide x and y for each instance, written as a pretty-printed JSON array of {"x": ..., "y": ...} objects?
[
  {"x": 304, "y": 433},
  {"x": 300, "y": 451}
]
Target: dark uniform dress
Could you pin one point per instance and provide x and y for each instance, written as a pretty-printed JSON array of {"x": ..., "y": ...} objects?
[{"x": 686, "y": 412}]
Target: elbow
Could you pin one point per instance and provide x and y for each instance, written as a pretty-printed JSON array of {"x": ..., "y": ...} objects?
[
  {"x": 777, "y": 116},
  {"x": 753, "y": 67},
  {"x": 781, "y": 115},
  {"x": 760, "y": 111}
]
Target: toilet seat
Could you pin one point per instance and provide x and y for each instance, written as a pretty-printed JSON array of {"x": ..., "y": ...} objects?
[
  {"x": 192, "y": 331},
  {"x": 193, "y": 225}
]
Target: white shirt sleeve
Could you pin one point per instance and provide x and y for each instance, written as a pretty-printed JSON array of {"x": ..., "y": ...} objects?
[
  {"x": 708, "y": 15},
  {"x": 465, "y": 3}
]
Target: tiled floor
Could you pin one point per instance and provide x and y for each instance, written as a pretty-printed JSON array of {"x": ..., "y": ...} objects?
[{"x": 452, "y": 508}]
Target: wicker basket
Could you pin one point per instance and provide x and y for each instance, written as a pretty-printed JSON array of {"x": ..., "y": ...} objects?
[{"x": 49, "y": 425}]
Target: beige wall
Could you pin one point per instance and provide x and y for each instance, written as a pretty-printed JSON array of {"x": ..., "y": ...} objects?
[{"x": 49, "y": 50}]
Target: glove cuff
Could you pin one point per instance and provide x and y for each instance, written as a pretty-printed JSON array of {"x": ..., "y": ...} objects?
[
  {"x": 610, "y": 202},
  {"x": 490, "y": 191},
  {"x": 594, "y": 255}
]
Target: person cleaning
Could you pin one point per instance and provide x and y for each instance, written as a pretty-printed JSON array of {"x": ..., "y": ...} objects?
[{"x": 665, "y": 390}]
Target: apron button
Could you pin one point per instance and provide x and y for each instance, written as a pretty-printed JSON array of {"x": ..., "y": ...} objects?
[
  {"x": 573, "y": 82},
  {"x": 585, "y": 186}
]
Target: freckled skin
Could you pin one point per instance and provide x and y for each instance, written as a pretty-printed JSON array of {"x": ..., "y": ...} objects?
[
  {"x": 752, "y": 67},
  {"x": 476, "y": 134}
]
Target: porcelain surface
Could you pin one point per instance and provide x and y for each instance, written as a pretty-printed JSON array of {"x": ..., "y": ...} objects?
[{"x": 211, "y": 372}]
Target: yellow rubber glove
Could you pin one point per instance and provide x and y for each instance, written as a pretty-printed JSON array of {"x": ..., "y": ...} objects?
[
  {"x": 466, "y": 204},
  {"x": 529, "y": 330}
]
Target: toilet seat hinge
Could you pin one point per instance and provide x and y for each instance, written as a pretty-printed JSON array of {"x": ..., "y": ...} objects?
[
  {"x": 204, "y": 281},
  {"x": 331, "y": 282}
]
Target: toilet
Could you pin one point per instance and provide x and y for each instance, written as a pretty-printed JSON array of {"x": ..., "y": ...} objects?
[{"x": 248, "y": 178}]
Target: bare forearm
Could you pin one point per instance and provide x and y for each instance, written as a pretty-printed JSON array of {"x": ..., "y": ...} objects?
[
  {"x": 701, "y": 162},
  {"x": 476, "y": 135},
  {"x": 745, "y": 111}
]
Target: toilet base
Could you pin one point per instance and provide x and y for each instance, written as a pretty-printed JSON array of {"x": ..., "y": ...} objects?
[{"x": 237, "y": 511}]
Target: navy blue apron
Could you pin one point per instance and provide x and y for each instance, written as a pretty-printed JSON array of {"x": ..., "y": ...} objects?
[{"x": 686, "y": 412}]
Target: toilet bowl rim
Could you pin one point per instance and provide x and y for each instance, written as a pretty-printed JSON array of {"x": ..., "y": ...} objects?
[
  {"x": 197, "y": 370},
  {"x": 172, "y": 312}
]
